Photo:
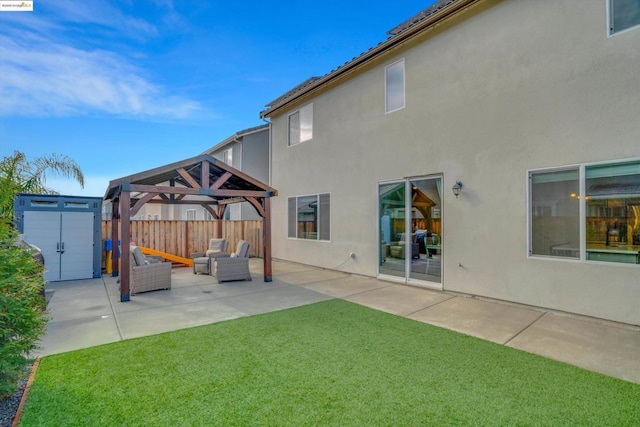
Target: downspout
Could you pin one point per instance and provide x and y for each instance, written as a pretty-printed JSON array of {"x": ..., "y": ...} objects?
[{"x": 270, "y": 152}]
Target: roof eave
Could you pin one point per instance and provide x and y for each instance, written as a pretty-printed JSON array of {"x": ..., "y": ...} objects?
[{"x": 235, "y": 136}]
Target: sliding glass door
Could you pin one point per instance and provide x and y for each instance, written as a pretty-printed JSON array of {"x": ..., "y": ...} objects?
[
  {"x": 392, "y": 208},
  {"x": 410, "y": 229}
]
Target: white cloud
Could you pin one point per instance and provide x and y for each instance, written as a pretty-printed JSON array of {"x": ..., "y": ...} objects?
[
  {"x": 102, "y": 13},
  {"x": 46, "y": 72}
]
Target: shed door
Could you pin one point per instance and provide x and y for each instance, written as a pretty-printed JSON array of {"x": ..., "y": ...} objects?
[
  {"x": 76, "y": 260},
  {"x": 43, "y": 230},
  {"x": 66, "y": 242}
]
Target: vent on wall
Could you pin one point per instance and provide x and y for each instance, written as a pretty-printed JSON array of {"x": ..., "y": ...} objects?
[
  {"x": 81, "y": 205},
  {"x": 44, "y": 204}
]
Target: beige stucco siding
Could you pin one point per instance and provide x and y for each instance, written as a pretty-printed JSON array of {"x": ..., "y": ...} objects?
[{"x": 506, "y": 87}]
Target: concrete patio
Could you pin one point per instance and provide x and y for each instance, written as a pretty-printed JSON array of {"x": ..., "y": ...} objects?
[{"x": 87, "y": 313}]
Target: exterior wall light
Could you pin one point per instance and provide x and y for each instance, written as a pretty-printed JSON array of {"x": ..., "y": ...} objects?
[{"x": 457, "y": 188}]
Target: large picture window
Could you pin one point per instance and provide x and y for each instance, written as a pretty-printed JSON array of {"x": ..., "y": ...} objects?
[
  {"x": 301, "y": 125},
  {"x": 394, "y": 86},
  {"x": 609, "y": 228},
  {"x": 309, "y": 217},
  {"x": 623, "y": 14}
]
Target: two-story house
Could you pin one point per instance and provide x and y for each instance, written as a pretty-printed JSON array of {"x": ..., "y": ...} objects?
[{"x": 487, "y": 147}]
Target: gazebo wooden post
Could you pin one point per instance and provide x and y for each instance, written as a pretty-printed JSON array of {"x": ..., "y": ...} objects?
[
  {"x": 125, "y": 219},
  {"x": 268, "y": 276},
  {"x": 115, "y": 253},
  {"x": 220, "y": 210}
]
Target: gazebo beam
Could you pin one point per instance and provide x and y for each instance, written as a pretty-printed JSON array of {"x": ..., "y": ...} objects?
[
  {"x": 196, "y": 191},
  {"x": 188, "y": 178},
  {"x": 140, "y": 202},
  {"x": 220, "y": 181},
  {"x": 256, "y": 204},
  {"x": 204, "y": 176},
  {"x": 209, "y": 208}
]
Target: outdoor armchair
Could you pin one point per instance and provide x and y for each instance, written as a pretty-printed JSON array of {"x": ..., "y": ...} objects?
[
  {"x": 234, "y": 266},
  {"x": 147, "y": 274},
  {"x": 202, "y": 260}
]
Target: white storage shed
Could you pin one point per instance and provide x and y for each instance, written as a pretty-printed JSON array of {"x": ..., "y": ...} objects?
[{"x": 67, "y": 231}]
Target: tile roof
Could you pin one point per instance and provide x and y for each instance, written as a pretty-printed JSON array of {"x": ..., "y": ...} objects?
[
  {"x": 440, "y": 4},
  {"x": 293, "y": 91}
]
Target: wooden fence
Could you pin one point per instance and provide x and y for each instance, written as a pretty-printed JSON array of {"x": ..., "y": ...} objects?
[{"x": 183, "y": 238}]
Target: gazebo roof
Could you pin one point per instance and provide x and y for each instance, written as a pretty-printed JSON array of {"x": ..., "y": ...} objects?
[{"x": 200, "y": 179}]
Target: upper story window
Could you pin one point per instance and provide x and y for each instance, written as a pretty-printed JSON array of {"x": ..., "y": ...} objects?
[
  {"x": 227, "y": 156},
  {"x": 301, "y": 125},
  {"x": 623, "y": 15},
  {"x": 394, "y": 86}
]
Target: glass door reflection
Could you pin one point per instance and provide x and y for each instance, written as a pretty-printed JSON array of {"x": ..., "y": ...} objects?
[
  {"x": 392, "y": 206},
  {"x": 410, "y": 221},
  {"x": 426, "y": 229}
]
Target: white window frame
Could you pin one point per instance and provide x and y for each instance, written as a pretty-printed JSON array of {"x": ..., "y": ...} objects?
[
  {"x": 191, "y": 212},
  {"x": 305, "y": 118},
  {"x": 583, "y": 211},
  {"x": 319, "y": 232},
  {"x": 553, "y": 207},
  {"x": 610, "y": 29},
  {"x": 388, "y": 87},
  {"x": 227, "y": 156}
]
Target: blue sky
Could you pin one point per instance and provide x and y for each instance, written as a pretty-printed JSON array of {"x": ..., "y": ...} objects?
[{"x": 123, "y": 86}]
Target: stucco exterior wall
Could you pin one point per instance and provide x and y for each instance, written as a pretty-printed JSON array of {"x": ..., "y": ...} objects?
[
  {"x": 505, "y": 87},
  {"x": 255, "y": 162}
]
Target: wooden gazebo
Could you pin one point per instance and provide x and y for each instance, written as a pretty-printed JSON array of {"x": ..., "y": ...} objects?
[{"x": 201, "y": 180}]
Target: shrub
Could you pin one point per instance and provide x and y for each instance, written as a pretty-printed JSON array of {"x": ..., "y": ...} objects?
[{"x": 22, "y": 307}]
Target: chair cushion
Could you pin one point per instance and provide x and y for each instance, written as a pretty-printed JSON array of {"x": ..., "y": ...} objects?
[
  {"x": 242, "y": 251},
  {"x": 217, "y": 245},
  {"x": 138, "y": 256}
]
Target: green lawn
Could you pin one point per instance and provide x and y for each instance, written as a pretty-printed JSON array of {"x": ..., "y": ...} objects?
[{"x": 332, "y": 363}]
